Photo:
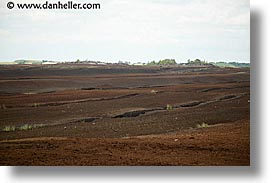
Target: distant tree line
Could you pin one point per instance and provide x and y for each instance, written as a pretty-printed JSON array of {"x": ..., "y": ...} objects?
[
  {"x": 196, "y": 62},
  {"x": 163, "y": 62},
  {"x": 230, "y": 64}
]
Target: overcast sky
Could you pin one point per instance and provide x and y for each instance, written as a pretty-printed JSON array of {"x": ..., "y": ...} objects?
[{"x": 129, "y": 30}]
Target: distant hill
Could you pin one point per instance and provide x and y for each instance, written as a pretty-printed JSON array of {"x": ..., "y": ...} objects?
[{"x": 230, "y": 64}]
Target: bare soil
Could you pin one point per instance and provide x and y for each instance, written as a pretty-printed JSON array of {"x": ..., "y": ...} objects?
[{"x": 118, "y": 115}]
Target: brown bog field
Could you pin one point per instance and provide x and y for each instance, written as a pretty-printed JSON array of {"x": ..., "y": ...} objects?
[{"x": 83, "y": 114}]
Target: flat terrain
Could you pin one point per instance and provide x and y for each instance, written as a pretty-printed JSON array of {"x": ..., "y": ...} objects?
[{"x": 76, "y": 114}]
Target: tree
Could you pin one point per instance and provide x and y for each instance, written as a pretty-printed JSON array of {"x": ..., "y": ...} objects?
[
  {"x": 152, "y": 63},
  {"x": 167, "y": 62},
  {"x": 196, "y": 62}
]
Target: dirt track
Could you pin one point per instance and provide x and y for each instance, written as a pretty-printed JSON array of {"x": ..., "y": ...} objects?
[{"x": 102, "y": 113}]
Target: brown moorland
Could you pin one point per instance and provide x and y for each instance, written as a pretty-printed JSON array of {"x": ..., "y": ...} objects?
[{"x": 76, "y": 114}]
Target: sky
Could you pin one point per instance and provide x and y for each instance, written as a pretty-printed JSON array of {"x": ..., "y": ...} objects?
[{"x": 128, "y": 30}]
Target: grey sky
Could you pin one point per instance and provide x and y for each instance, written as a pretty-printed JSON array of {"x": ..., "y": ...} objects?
[{"x": 140, "y": 30}]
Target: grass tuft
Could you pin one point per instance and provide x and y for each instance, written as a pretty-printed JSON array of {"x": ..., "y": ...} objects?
[
  {"x": 9, "y": 128},
  {"x": 21, "y": 128},
  {"x": 169, "y": 107},
  {"x": 203, "y": 125},
  {"x": 25, "y": 127}
]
